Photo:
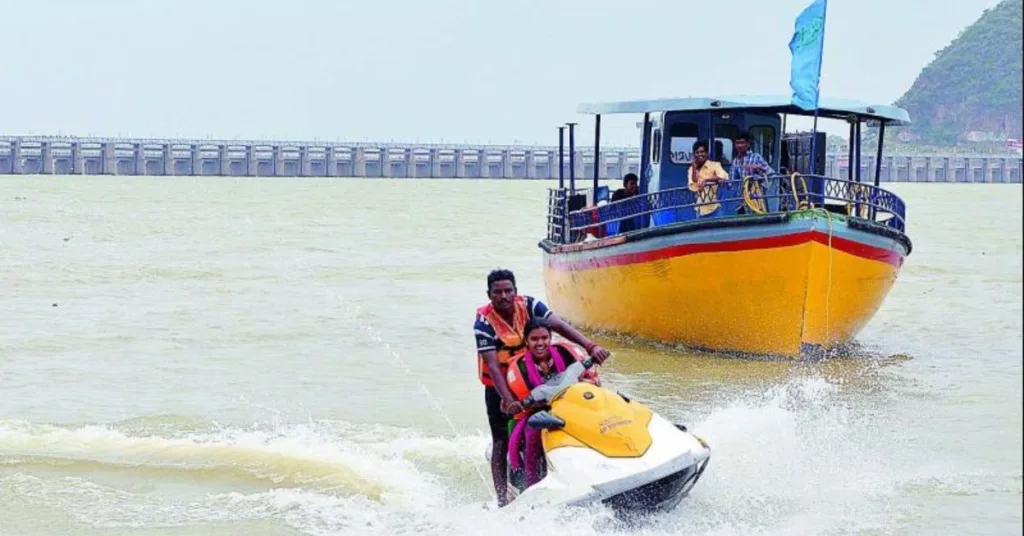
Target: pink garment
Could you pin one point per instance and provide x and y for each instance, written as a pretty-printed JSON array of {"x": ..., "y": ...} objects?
[
  {"x": 533, "y": 448},
  {"x": 513, "y": 445},
  {"x": 534, "y": 455}
]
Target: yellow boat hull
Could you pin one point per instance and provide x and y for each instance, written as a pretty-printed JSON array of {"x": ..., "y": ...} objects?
[{"x": 759, "y": 288}]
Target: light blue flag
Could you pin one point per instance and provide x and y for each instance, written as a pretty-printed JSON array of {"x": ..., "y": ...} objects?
[{"x": 806, "y": 48}]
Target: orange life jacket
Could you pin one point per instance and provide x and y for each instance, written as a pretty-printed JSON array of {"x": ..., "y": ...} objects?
[
  {"x": 519, "y": 376},
  {"x": 512, "y": 337}
]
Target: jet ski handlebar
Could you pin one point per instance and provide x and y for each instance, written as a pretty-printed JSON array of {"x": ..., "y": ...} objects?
[{"x": 542, "y": 394}]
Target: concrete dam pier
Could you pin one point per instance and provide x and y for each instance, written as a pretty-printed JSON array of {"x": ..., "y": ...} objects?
[{"x": 26, "y": 155}]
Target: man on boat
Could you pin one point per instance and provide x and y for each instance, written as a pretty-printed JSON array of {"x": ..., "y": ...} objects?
[
  {"x": 500, "y": 334},
  {"x": 747, "y": 163},
  {"x": 630, "y": 187},
  {"x": 704, "y": 176}
]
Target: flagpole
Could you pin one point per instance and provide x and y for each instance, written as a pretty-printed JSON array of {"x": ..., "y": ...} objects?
[{"x": 817, "y": 94}]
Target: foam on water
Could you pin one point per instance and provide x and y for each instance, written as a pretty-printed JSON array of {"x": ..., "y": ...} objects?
[
  {"x": 293, "y": 456},
  {"x": 788, "y": 459}
]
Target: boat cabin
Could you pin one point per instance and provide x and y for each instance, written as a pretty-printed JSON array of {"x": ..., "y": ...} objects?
[{"x": 670, "y": 129}]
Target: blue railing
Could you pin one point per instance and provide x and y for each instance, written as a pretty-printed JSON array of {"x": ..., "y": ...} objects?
[{"x": 725, "y": 200}]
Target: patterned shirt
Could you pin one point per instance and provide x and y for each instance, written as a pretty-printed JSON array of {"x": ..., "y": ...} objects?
[
  {"x": 709, "y": 171},
  {"x": 738, "y": 170}
]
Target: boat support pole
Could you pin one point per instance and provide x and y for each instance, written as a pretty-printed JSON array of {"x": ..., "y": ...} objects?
[
  {"x": 645, "y": 151},
  {"x": 859, "y": 174},
  {"x": 860, "y": 142},
  {"x": 852, "y": 155},
  {"x": 878, "y": 155},
  {"x": 878, "y": 162},
  {"x": 572, "y": 158},
  {"x": 564, "y": 199},
  {"x": 572, "y": 180},
  {"x": 597, "y": 153},
  {"x": 561, "y": 158}
]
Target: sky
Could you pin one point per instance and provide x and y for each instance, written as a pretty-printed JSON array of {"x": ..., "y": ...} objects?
[{"x": 437, "y": 71}]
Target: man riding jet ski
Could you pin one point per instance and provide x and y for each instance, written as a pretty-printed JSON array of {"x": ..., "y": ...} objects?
[{"x": 579, "y": 443}]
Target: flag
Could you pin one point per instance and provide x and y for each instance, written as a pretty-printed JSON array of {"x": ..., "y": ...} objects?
[{"x": 806, "y": 48}]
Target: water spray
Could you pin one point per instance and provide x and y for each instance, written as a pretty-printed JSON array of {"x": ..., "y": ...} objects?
[{"x": 375, "y": 336}]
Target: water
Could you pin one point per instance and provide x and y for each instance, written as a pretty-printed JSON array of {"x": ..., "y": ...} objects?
[{"x": 216, "y": 356}]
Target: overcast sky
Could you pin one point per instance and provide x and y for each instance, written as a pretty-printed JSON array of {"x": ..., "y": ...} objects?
[{"x": 476, "y": 71}]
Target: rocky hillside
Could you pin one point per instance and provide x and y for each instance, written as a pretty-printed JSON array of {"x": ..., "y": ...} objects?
[{"x": 971, "y": 91}]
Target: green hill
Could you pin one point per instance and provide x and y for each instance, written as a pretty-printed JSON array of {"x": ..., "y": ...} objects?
[{"x": 971, "y": 91}]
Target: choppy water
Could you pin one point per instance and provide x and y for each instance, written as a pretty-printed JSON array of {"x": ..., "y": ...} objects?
[{"x": 219, "y": 356}]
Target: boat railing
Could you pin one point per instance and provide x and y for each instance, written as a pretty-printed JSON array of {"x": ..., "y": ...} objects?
[
  {"x": 775, "y": 194},
  {"x": 557, "y": 208}
]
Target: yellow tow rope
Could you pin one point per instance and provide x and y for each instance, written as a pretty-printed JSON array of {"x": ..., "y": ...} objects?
[
  {"x": 752, "y": 189},
  {"x": 758, "y": 206},
  {"x": 800, "y": 205}
]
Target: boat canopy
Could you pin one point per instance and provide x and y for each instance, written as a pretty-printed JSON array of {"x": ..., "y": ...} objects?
[{"x": 828, "y": 108}]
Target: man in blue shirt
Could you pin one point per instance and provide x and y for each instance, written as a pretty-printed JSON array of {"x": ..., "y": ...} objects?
[{"x": 747, "y": 163}]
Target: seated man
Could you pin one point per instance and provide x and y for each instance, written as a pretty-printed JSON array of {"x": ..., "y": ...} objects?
[
  {"x": 631, "y": 187},
  {"x": 541, "y": 361},
  {"x": 703, "y": 178}
]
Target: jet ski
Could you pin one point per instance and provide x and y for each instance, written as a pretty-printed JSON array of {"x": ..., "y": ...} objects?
[{"x": 601, "y": 447}]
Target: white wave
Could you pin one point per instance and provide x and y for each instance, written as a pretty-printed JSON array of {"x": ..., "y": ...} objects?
[{"x": 795, "y": 458}]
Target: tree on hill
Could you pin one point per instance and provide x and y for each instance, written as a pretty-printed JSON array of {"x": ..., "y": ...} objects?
[{"x": 973, "y": 85}]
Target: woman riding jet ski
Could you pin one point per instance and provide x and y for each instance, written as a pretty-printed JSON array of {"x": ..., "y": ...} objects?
[
  {"x": 594, "y": 445},
  {"x": 539, "y": 363}
]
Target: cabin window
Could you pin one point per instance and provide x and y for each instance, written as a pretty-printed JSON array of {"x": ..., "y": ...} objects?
[
  {"x": 762, "y": 140},
  {"x": 681, "y": 139},
  {"x": 656, "y": 146},
  {"x": 724, "y": 134}
]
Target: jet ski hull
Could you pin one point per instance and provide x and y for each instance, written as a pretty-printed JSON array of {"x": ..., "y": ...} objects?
[
  {"x": 600, "y": 447},
  {"x": 655, "y": 482},
  {"x": 661, "y": 495}
]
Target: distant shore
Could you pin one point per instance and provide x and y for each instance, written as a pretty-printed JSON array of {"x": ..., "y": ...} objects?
[{"x": 27, "y": 155}]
